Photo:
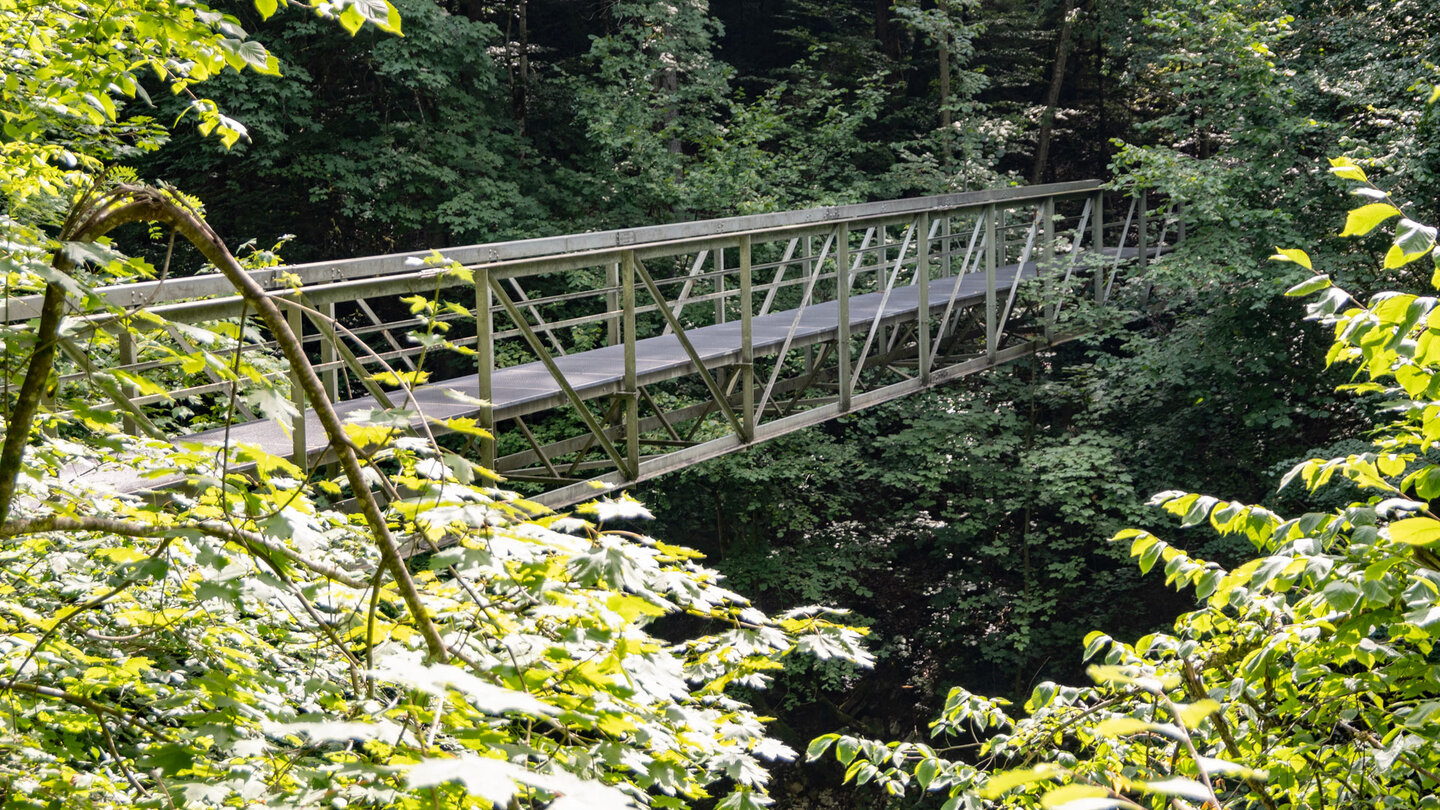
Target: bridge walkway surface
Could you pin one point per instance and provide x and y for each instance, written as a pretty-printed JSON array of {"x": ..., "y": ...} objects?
[{"x": 760, "y": 334}]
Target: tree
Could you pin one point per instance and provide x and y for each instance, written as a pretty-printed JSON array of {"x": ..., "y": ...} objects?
[
  {"x": 1304, "y": 678},
  {"x": 245, "y": 639}
]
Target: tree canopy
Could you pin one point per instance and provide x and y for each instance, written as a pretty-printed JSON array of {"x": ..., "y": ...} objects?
[
  {"x": 245, "y": 639},
  {"x": 263, "y": 635}
]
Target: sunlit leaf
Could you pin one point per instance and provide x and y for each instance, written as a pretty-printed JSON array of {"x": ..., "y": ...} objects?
[{"x": 1366, "y": 218}]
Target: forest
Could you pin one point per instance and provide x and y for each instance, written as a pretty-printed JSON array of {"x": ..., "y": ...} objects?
[{"x": 1189, "y": 560}]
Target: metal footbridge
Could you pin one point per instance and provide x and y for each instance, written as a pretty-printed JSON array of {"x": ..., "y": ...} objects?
[{"x": 603, "y": 359}]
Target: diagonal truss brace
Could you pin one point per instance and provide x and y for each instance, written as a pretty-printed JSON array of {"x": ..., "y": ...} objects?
[{"x": 569, "y": 390}]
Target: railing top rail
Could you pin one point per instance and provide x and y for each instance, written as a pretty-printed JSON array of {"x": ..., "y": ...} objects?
[{"x": 597, "y": 242}]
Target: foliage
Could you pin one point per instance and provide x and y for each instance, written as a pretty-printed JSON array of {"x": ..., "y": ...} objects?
[
  {"x": 1305, "y": 676},
  {"x": 253, "y": 651},
  {"x": 958, "y": 524},
  {"x": 250, "y": 632},
  {"x": 403, "y": 142}
]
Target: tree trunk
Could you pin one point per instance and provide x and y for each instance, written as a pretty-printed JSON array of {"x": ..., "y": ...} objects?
[
  {"x": 886, "y": 33},
  {"x": 946, "y": 116},
  {"x": 1052, "y": 98},
  {"x": 127, "y": 204},
  {"x": 522, "y": 85}
]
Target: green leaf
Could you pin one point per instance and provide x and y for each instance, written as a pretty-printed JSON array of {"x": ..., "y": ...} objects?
[
  {"x": 1412, "y": 241},
  {"x": 379, "y": 13},
  {"x": 1418, "y": 531},
  {"x": 1423, "y": 715},
  {"x": 259, "y": 59},
  {"x": 631, "y": 608},
  {"x": 1177, "y": 786},
  {"x": 266, "y": 8},
  {"x": 1364, "y": 219},
  {"x": 1062, "y": 796},
  {"x": 1341, "y": 595},
  {"x": 1192, "y": 713},
  {"x": 1395, "y": 257},
  {"x": 819, "y": 746},
  {"x": 1122, "y": 726},
  {"x": 1005, "y": 781},
  {"x": 1295, "y": 255},
  {"x": 1313, "y": 284},
  {"x": 1426, "y": 482},
  {"x": 1344, "y": 167},
  {"x": 1226, "y": 768},
  {"x": 1414, "y": 238},
  {"x": 401, "y": 379},
  {"x": 926, "y": 772},
  {"x": 352, "y": 20},
  {"x": 465, "y": 425},
  {"x": 1150, "y": 556}
]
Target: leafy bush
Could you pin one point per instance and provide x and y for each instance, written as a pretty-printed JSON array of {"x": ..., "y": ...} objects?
[{"x": 1305, "y": 677}]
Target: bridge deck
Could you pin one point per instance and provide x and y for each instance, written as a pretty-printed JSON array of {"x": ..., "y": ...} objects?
[
  {"x": 627, "y": 446},
  {"x": 530, "y": 388}
]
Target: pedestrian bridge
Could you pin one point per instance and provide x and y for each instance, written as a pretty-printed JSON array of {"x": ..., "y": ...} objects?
[{"x": 603, "y": 359}]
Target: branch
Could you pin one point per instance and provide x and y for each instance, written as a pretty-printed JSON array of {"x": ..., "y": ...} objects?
[
  {"x": 42, "y": 361},
  {"x": 1370, "y": 740},
  {"x": 128, "y": 203},
  {"x": 252, "y": 541},
  {"x": 27, "y": 402},
  {"x": 1197, "y": 692},
  {"x": 85, "y": 703}
]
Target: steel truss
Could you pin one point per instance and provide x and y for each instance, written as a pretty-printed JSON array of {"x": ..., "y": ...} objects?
[{"x": 611, "y": 358}]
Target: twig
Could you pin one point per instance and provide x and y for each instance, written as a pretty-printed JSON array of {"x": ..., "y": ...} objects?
[
  {"x": 1197, "y": 692},
  {"x": 251, "y": 540},
  {"x": 85, "y": 703},
  {"x": 115, "y": 752}
]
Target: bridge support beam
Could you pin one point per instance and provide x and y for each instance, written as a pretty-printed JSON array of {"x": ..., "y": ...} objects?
[
  {"x": 992, "y": 304},
  {"x": 842, "y": 300},
  {"x": 1097, "y": 242},
  {"x": 632, "y": 386},
  {"x": 1047, "y": 262},
  {"x": 485, "y": 365},
  {"x": 922, "y": 280},
  {"x": 747, "y": 345}
]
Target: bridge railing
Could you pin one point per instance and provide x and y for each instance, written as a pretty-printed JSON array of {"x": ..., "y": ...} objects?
[{"x": 677, "y": 290}]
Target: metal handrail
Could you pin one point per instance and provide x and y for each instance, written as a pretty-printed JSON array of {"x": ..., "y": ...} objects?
[{"x": 401, "y": 267}]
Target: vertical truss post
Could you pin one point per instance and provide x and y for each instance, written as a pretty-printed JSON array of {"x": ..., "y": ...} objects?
[
  {"x": 632, "y": 386},
  {"x": 945, "y": 243},
  {"x": 126, "y": 357},
  {"x": 882, "y": 256},
  {"x": 720, "y": 285},
  {"x": 1047, "y": 261},
  {"x": 1142, "y": 232},
  {"x": 297, "y": 394},
  {"x": 720, "y": 373},
  {"x": 922, "y": 278},
  {"x": 809, "y": 270},
  {"x": 328, "y": 356},
  {"x": 992, "y": 308},
  {"x": 485, "y": 364},
  {"x": 612, "y": 303},
  {"x": 1097, "y": 243},
  {"x": 842, "y": 298},
  {"x": 809, "y": 263},
  {"x": 747, "y": 346},
  {"x": 1004, "y": 227}
]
